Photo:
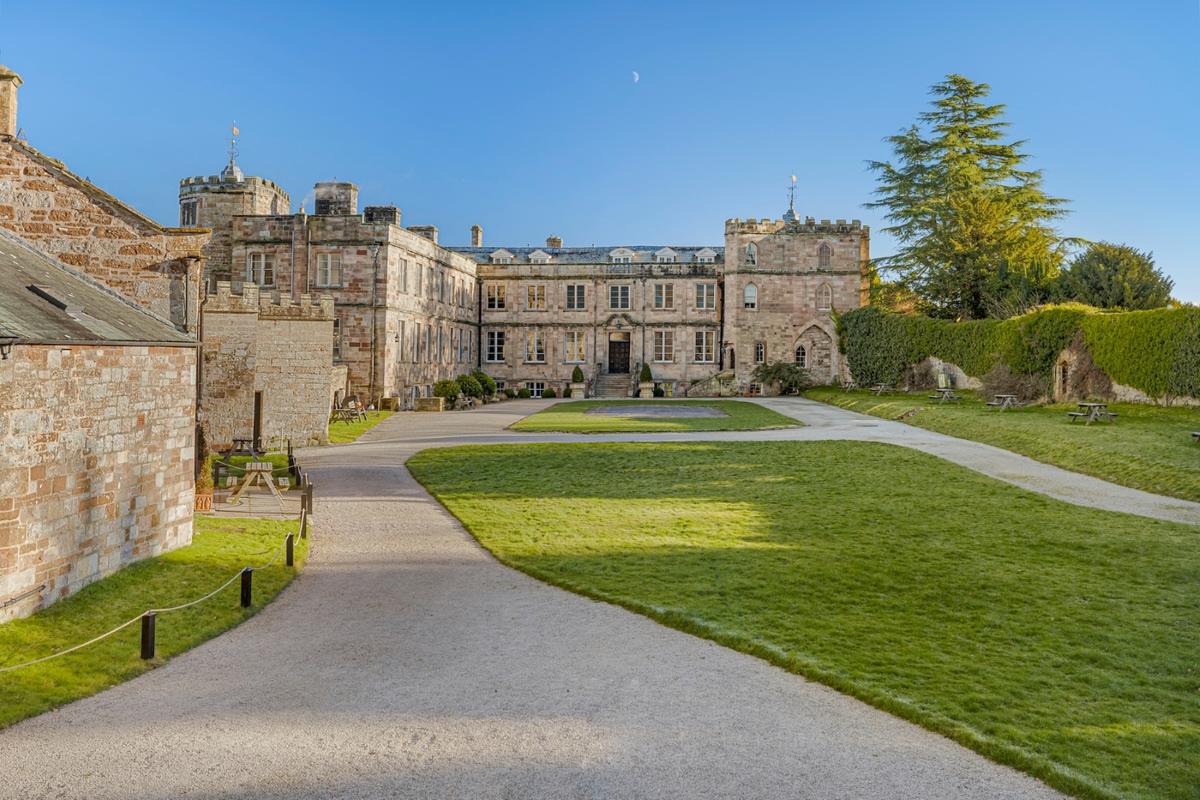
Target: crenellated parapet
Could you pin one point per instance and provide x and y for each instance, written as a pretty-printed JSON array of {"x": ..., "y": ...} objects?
[
  {"x": 809, "y": 225},
  {"x": 207, "y": 183},
  {"x": 253, "y": 301}
]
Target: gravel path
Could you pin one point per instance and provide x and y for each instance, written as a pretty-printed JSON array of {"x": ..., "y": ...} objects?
[{"x": 407, "y": 663}]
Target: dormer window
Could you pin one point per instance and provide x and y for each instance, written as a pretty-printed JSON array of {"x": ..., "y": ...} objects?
[
  {"x": 751, "y": 255},
  {"x": 665, "y": 256},
  {"x": 502, "y": 257},
  {"x": 706, "y": 256},
  {"x": 622, "y": 255},
  {"x": 539, "y": 257}
]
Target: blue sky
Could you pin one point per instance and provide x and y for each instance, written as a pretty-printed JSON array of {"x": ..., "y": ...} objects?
[{"x": 525, "y": 118}]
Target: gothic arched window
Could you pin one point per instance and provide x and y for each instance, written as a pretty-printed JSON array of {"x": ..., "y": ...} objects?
[
  {"x": 824, "y": 297},
  {"x": 751, "y": 254},
  {"x": 801, "y": 357},
  {"x": 824, "y": 256},
  {"x": 750, "y": 296}
]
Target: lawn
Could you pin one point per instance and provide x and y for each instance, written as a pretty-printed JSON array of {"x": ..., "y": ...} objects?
[
  {"x": 220, "y": 548},
  {"x": 572, "y": 417},
  {"x": 345, "y": 432},
  {"x": 1148, "y": 447},
  {"x": 1061, "y": 640}
]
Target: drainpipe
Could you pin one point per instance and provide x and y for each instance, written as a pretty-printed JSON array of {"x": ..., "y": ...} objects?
[
  {"x": 721, "y": 325},
  {"x": 374, "y": 250}
]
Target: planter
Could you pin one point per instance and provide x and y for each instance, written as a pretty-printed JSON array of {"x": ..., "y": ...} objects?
[
  {"x": 646, "y": 389},
  {"x": 430, "y": 404},
  {"x": 578, "y": 390},
  {"x": 204, "y": 501}
]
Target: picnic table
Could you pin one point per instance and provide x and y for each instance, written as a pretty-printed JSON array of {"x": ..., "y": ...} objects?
[
  {"x": 1003, "y": 402},
  {"x": 245, "y": 447},
  {"x": 880, "y": 388},
  {"x": 256, "y": 471},
  {"x": 1196, "y": 435},
  {"x": 1092, "y": 412},
  {"x": 349, "y": 413},
  {"x": 945, "y": 395}
]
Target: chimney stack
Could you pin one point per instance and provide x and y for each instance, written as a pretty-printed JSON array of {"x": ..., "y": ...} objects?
[
  {"x": 430, "y": 232},
  {"x": 336, "y": 198},
  {"x": 9, "y": 82},
  {"x": 553, "y": 241},
  {"x": 476, "y": 236}
]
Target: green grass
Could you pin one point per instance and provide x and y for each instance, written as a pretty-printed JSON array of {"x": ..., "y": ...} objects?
[
  {"x": 571, "y": 417},
  {"x": 1148, "y": 447},
  {"x": 345, "y": 432},
  {"x": 1058, "y": 639},
  {"x": 220, "y": 547}
]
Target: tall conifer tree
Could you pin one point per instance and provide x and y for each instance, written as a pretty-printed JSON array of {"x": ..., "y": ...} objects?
[{"x": 967, "y": 213}]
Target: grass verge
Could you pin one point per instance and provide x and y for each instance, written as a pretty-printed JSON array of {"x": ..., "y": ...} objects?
[
  {"x": 1148, "y": 447},
  {"x": 341, "y": 432},
  {"x": 1057, "y": 639},
  {"x": 219, "y": 548},
  {"x": 572, "y": 417}
]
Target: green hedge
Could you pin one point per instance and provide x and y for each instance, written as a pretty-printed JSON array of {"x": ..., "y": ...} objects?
[{"x": 1156, "y": 351}]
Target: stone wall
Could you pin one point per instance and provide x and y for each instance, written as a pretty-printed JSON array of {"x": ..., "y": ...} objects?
[
  {"x": 792, "y": 285},
  {"x": 75, "y": 222},
  {"x": 215, "y": 199},
  {"x": 283, "y": 351},
  {"x": 96, "y": 464}
]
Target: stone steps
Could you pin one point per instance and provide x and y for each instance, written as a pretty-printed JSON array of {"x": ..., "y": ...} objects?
[{"x": 612, "y": 385}]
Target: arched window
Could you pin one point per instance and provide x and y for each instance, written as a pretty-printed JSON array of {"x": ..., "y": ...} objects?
[
  {"x": 750, "y": 296},
  {"x": 801, "y": 357},
  {"x": 824, "y": 256},
  {"x": 824, "y": 297},
  {"x": 751, "y": 254}
]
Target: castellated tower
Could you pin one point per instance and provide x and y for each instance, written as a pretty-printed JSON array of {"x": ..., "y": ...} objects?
[
  {"x": 213, "y": 201},
  {"x": 784, "y": 281}
]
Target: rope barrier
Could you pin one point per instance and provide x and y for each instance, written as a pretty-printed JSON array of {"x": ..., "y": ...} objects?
[{"x": 124, "y": 625}]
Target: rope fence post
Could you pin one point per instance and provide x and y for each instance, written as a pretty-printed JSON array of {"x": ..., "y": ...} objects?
[
  {"x": 148, "y": 635},
  {"x": 291, "y": 558},
  {"x": 303, "y": 523},
  {"x": 247, "y": 577}
]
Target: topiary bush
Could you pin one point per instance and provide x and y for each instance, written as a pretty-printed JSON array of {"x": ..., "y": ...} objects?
[
  {"x": 577, "y": 375},
  {"x": 448, "y": 389},
  {"x": 485, "y": 382},
  {"x": 469, "y": 386},
  {"x": 510, "y": 393},
  {"x": 645, "y": 375},
  {"x": 566, "y": 392},
  {"x": 524, "y": 393},
  {"x": 658, "y": 391},
  {"x": 549, "y": 392}
]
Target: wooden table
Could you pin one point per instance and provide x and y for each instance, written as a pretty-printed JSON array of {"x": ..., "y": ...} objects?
[
  {"x": 944, "y": 395},
  {"x": 880, "y": 388},
  {"x": 244, "y": 447},
  {"x": 256, "y": 471},
  {"x": 1091, "y": 412},
  {"x": 1196, "y": 435},
  {"x": 348, "y": 414},
  {"x": 1003, "y": 402}
]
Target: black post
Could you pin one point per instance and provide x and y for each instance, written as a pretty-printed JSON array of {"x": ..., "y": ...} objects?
[
  {"x": 247, "y": 575},
  {"x": 308, "y": 497},
  {"x": 303, "y": 524},
  {"x": 291, "y": 558},
  {"x": 148, "y": 635}
]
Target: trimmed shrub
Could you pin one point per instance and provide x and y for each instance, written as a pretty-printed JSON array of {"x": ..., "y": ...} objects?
[
  {"x": 645, "y": 376},
  {"x": 524, "y": 393},
  {"x": 577, "y": 375},
  {"x": 790, "y": 377},
  {"x": 658, "y": 391},
  {"x": 549, "y": 393},
  {"x": 485, "y": 382},
  {"x": 510, "y": 393},
  {"x": 1155, "y": 351},
  {"x": 469, "y": 386},
  {"x": 566, "y": 391},
  {"x": 447, "y": 389}
]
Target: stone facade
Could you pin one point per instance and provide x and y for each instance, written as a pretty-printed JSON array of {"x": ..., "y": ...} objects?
[
  {"x": 80, "y": 225},
  {"x": 784, "y": 280},
  {"x": 96, "y": 464},
  {"x": 268, "y": 367},
  {"x": 405, "y": 308}
]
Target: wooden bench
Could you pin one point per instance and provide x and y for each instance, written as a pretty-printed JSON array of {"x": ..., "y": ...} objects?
[{"x": 1196, "y": 435}]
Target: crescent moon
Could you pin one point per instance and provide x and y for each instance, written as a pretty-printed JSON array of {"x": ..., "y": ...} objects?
[{"x": 636, "y": 77}]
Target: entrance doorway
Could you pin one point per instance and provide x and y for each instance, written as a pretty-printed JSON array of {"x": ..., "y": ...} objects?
[{"x": 618, "y": 352}]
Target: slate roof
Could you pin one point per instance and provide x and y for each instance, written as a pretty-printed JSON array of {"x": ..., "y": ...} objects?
[
  {"x": 589, "y": 255},
  {"x": 67, "y": 306}
]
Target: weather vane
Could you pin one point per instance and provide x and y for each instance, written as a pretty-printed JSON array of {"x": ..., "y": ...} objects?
[
  {"x": 790, "y": 216},
  {"x": 233, "y": 140}
]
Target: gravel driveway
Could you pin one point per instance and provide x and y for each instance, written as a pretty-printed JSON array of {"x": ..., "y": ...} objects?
[{"x": 406, "y": 663}]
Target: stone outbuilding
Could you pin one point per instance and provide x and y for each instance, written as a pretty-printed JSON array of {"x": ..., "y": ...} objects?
[{"x": 97, "y": 427}]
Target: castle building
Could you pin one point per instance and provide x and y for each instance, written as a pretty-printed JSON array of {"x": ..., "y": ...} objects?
[{"x": 409, "y": 312}]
